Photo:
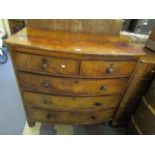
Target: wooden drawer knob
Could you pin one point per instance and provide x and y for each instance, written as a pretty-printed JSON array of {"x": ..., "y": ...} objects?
[
  {"x": 104, "y": 88},
  {"x": 45, "y": 84},
  {"x": 47, "y": 102},
  {"x": 98, "y": 104},
  {"x": 45, "y": 63},
  {"x": 93, "y": 117},
  {"x": 110, "y": 70}
]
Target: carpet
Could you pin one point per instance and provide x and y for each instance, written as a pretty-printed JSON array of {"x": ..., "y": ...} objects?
[
  {"x": 12, "y": 117},
  {"x": 60, "y": 129}
]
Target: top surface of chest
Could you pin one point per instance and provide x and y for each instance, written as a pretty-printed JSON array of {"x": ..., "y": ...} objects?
[{"x": 73, "y": 43}]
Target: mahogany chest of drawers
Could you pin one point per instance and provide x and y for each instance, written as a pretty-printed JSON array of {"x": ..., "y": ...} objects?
[{"x": 71, "y": 78}]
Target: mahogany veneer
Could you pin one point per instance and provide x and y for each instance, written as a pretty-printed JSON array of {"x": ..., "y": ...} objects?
[{"x": 72, "y": 78}]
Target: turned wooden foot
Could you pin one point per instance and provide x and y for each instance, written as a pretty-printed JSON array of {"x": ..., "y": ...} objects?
[{"x": 31, "y": 123}]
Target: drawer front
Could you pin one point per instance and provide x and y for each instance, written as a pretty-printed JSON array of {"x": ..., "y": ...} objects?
[
  {"x": 45, "y": 65},
  {"x": 106, "y": 68},
  {"x": 65, "y": 103},
  {"x": 69, "y": 117},
  {"x": 53, "y": 85}
]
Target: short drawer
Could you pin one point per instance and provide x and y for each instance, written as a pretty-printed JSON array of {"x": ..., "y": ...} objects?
[
  {"x": 106, "y": 68},
  {"x": 55, "y": 85},
  {"x": 69, "y": 117},
  {"x": 45, "y": 65},
  {"x": 66, "y": 103}
]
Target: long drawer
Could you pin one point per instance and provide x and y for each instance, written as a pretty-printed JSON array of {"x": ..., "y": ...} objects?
[
  {"x": 106, "y": 68},
  {"x": 55, "y": 85},
  {"x": 66, "y": 103},
  {"x": 45, "y": 65},
  {"x": 69, "y": 117}
]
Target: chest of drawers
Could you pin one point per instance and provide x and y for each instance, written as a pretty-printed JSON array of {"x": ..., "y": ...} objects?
[{"x": 71, "y": 78}]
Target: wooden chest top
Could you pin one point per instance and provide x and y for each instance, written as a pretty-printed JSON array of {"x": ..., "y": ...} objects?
[{"x": 74, "y": 43}]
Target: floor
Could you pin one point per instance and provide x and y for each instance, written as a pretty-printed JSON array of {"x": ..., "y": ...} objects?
[
  {"x": 12, "y": 117},
  {"x": 60, "y": 129}
]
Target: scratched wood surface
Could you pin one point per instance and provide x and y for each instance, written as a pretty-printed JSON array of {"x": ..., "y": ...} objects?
[{"x": 74, "y": 43}]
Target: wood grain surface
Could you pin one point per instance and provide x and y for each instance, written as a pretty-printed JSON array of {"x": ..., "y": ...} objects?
[
  {"x": 57, "y": 85},
  {"x": 70, "y": 103},
  {"x": 69, "y": 117},
  {"x": 102, "y": 26},
  {"x": 74, "y": 43}
]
